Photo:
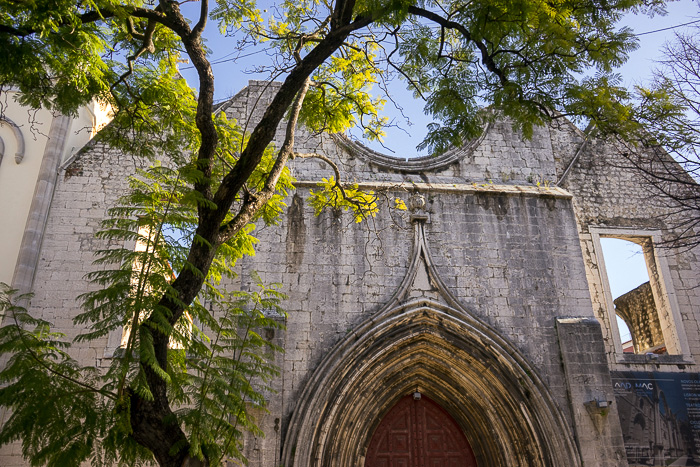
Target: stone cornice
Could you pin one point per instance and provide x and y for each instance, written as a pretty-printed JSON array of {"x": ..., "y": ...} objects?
[{"x": 458, "y": 188}]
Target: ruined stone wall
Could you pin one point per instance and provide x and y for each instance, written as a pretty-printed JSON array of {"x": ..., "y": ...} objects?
[
  {"x": 513, "y": 261},
  {"x": 501, "y": 247},
  {"x": 502, "y": 238},
  {"x": 85, "y": 190},
  {"x": 611, "y": 199},
  {"x": 638, "y": 309},
  {"x": 500, "y": 156}
]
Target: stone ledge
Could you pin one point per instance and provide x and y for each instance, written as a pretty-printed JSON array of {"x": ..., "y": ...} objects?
[
  {"x": 655, "y": 359},
  {"x": 460, "y": 188}
]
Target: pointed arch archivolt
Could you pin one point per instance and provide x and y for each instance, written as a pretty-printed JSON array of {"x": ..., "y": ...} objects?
[
  {"x": 424, "y": 340},
  {"x": 504, "y": 410}
]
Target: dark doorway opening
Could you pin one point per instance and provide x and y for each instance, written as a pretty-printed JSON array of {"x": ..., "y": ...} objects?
[{"x": 417, "y": 432}]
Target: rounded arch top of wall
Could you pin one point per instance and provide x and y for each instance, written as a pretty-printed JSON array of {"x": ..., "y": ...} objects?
[{"x": 408, "y": 165}]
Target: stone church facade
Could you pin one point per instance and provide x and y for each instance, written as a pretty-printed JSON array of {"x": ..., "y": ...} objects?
[{"x": 487, "y": 299}]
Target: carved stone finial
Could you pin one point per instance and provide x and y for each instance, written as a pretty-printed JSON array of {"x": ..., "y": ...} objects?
[{"x": 416, "y": 204}]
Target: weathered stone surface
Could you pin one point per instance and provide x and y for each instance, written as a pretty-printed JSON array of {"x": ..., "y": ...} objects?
[
  {"x": 461, "y": 298},
  {"x": 610, "y": 199},
  {"x": 590, "y": 392},
  {"x": 637, "y": 307}
]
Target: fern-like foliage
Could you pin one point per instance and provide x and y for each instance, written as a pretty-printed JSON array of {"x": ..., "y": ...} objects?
[
  {"x": 64, "y": 413},
  {"x": 230, "y": 369},
  {"x": 58, "y": 409},
  {"x": 219, "y": 361}
]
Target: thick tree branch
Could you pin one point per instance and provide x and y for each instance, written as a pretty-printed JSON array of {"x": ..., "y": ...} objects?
[
  {"x": 205, "y": 101},
  {"x": 342, "y": 13},
  {"x": 265, "y": 130},
  {"x": 14, "y": 31},
  {"x": 153, "y": 425},
  {"x": 257, "y": 200},
  {"x": 486, "y": 58},
  {"x": 201, "y": 24},
  {"x": 207, "y": 235},
  {"x": 152, "y": 420},
  {"x": 91, "y": 17}
]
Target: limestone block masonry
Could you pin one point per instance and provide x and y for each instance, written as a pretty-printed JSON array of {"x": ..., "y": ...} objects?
[
  {"x": 486, "y": 295},
  {"x": 637, "y": 307}
]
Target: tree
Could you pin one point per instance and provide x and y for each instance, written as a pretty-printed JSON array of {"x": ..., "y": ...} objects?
[
  {"x": 669, "y": 115},
  {"x": 521, "y": 58}
]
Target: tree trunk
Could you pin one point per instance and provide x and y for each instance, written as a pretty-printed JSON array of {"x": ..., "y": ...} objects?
[{"x": 155, "y": 427}]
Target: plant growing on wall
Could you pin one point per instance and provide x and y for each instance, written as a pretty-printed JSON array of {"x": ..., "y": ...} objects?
[{"x": 523, "y": 58}]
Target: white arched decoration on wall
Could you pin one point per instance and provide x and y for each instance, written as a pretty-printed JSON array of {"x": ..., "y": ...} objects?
[
  {"x": 424, "y": 340},
  {"x": 19, "y": 155}
]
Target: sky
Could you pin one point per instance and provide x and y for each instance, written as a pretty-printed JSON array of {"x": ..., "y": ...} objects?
[
  {"x": 234, "y": 71},
  {"x": 652, "y": 32},
  {"x": 626, "y": 268},
  {"x": 625, "y": 265}
]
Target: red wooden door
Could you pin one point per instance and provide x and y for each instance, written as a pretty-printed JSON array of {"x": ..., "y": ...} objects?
[{"x": 419, "y": 433}]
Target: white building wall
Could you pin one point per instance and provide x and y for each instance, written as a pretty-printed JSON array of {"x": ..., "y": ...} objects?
[{"x": 26, "y": 138}]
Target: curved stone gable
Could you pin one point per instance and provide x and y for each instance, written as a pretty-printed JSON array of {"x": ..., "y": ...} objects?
[{"x": 409, "y": 165}]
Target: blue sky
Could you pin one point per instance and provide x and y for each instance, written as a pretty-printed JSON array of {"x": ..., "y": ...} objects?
[
  {"x": 625, "y": 265},
  {"x": 626, "y": 268},
  {"x": 233, "y": 73}
]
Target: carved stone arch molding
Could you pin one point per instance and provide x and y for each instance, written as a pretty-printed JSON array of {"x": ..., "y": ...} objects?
[
  {"x": 424, "y": 340},
  {"x": 413, "y": 164},
  {"x": 19, "y": 155}
]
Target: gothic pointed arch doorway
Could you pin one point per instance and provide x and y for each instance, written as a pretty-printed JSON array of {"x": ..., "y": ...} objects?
[
  {"x": 418, "y": 432},
  {"x": 424, "y": 338}
]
